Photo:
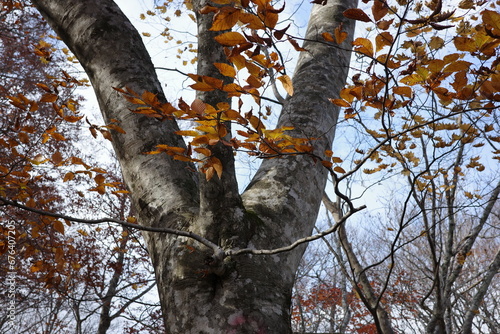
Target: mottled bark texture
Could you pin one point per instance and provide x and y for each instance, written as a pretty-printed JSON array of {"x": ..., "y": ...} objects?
[{"x": 245, "y": 294}]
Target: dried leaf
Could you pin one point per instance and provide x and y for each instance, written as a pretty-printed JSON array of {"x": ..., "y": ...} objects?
[{"x": 356, "y": 14}]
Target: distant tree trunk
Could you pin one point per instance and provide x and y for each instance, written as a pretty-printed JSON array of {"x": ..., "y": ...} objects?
[{"x": 245, "y": 294}]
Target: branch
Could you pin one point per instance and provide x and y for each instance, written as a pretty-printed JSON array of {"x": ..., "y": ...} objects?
[
  {"x": 297, "y": 242},
  {"x": 216, "y": 249},
  {"x": 270, "y": 72}
]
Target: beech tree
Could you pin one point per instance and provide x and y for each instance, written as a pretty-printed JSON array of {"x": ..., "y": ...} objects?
[
  {"x": 217, "y": 288},
  {"x": 225, "y": 261}
]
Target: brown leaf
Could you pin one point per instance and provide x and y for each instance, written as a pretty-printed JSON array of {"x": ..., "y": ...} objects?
[
  {"x": 58, "y": 226},
  {"x": 379, "y": 10},
  {"x": 356, "y": 14}
]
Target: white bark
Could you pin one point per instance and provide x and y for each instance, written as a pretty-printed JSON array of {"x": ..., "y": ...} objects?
[{"x": 246, "y": 293}]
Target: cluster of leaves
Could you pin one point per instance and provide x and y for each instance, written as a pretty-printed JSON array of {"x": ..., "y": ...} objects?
[
  {"x": 212, "y": 128},
  {"x": 249, "y": 54},
  {"x": 64, "y": 269},
  {"x": 423, "y": 89}
]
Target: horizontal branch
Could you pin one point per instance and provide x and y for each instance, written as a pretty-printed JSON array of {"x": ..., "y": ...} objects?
[
  {"x": 191, "y": 235},
  {"x": 219, "y": 253},
  {"x": 297, "y": 242}
]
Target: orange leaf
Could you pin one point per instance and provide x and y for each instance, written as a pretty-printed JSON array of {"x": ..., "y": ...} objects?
[
  {"x": 356, "y": 14},
  {"x": 339, "y": 169},
  {"x": 296, "y": 45},
  {"x": 203, "y": 150},
  {"x": 226, "y": 69},
  {"x": 57, "y": 158},
  {"x": 37, "y": 266},
  {"x": 328, "y": 37},
  {"x": 251, "y": 21},
  {"x": 99, "y": 178},
  {"x": 209, "y": 173},
  {"x": 217, "y": 165},
  {"x": 225, "y": 18},
  {"x": 231, "y": 38},
  {"x": 364, "y": 46},
  {"x": 340, "y": 103},
  {"x": 68, "y": 176},
  {"x": 340, "y": 35},
  {"x": 327, "y": 164}
]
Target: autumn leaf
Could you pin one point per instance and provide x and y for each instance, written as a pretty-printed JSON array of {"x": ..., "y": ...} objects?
[
  {"x": 226, "y": 69},
  {"x": 328, "y": 37},
  {"x": 231, "y": 38},
  {"x": 364, "y": 46},
  {"x": 492, "y": 18},
  {"x": 356, "y": 14},
  {"x": 340, "y": 103},
  {"x": 383, "y": 39},
  {"x": 339, "y": 169},
  {"x": 225, "y": 18},
  {"x": 296, "y": 45},
  {"x": 457, "y": 66},
  {"x": 49, "y": 97},
  {"x": 379, "y": 10},
  {"x": 403, "y": 91},
  {"x": 340, "y": 35},
  {"x": 58, "y": 226},
  {"x": 287, "y": 84}
]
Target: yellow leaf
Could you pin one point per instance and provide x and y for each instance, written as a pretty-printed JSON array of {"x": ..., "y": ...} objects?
[
  {"x": 187, "y": 133},
  {"x": 287, "y": 84},
  {"x": 465, "y": 44}
]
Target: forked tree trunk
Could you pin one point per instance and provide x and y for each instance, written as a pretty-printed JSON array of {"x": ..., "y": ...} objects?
[{"x": 249, "y": 294}]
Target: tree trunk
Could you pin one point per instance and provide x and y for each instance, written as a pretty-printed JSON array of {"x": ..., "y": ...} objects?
[{"x": 246, "y": 294}]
